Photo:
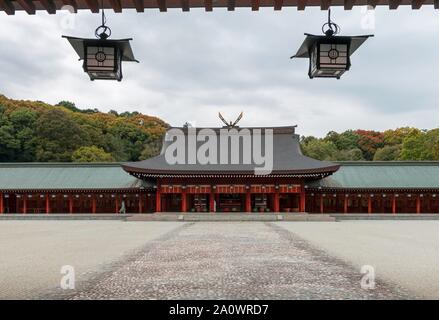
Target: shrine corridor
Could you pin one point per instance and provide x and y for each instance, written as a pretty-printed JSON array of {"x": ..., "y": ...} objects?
[{"x": 244, "y": 260}]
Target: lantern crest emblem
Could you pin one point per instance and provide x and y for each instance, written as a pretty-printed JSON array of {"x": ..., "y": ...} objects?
[{"x": 329, "y": 55}]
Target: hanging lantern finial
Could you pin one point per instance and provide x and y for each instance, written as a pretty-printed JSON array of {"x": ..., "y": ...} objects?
[
  {"x": 330, "y": 28},
  {"x": 103, "y": 32}
]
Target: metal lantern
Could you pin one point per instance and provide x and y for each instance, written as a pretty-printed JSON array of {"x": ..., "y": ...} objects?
[
  {"x": 103, "y": 57},
  {"x": 329, "y": 55}
]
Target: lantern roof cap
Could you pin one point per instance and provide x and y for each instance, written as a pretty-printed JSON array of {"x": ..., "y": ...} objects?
[
  {"x": 123, "y": 44},
  {"x": 355, "y": 43}
]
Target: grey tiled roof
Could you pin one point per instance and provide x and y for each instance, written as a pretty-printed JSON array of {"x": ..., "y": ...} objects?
[{"x": 287, "y": 159}]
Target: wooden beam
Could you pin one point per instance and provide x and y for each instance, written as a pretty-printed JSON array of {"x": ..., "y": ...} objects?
[
  {"x": 349, "y": 4},
  {"x": 116, "y": 5},
  {"x": 162, "y": 5},
  {"x": 7, "y": 7},
  {"x": 278, "y": 4},
  {"x": 256, "y": 4},
  {"x": 140, "y": 7},
  {"x": 231, "y": 5},
  {"x": 208, "y": 5},
  {"x": 301, "y": 4},
  {"x": 185, "y": 5},
  {"x": 93, "y": 5},
  {"x": 325, "y": 4},
  {"x": 417, "y": 4},
  {"x": 394, "y": 4},
  {"x": 49, "y": 5},
  {"x": 27, "y": 5},
  {"x": 71, "y": 3}
]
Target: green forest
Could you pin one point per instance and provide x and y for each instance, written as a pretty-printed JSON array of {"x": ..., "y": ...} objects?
[
  {"x": 34, "y": 131},
  {"x": 39, "y": 132},
  {"x": 401, "y": 144}
]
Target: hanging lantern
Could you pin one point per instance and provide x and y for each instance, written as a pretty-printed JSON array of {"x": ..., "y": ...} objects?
[
  {"x": 329, "y": 55},
  {"x": 102, "y": 57}
]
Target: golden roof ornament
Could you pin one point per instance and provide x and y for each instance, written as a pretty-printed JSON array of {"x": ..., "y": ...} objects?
[{"x": 230, "y": 124}]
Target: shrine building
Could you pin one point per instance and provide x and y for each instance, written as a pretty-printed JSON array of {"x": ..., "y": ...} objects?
[{"x": 295, "y": 184}]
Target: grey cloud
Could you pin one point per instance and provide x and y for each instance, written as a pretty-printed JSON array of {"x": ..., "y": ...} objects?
[{"x": 196, "y": 64}]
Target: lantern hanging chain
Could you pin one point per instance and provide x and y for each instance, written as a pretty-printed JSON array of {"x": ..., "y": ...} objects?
[
  {"x": 103, "y": 32},
  {"x": 331, "y": 27},
  {"x": 104, "y": 19}
]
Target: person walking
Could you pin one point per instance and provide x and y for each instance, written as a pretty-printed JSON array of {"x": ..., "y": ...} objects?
[{"x": 122, "y": 207}]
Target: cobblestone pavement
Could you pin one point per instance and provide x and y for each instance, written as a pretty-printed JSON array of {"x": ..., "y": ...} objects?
[{"x": 246, "y": 260}]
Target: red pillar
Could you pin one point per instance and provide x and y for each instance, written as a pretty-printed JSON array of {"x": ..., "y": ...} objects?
[
  {"x": 93, "y": 204},
  {"x": 25, "y": 203},
  {"x": 394, "y": 204},
  {"x": 2, "y": 207},
  {"x": 212, "y": 200},
  {"x": 418, "y": 204},
  {"x": 183, "y": 200},
  {"x": 47, "y": 203},
  {"x": 321, "y": 203},
  {"x": 369, "y": 204},
  {"x": 276, "y": 200},
  {"x": 345, "y": 204},
  {"x": 248, "y": 201},
  {"x": 146, "y": 202},
  {"x": 116, "y": 209},
  {"x": 70, "y": 204},
  {"x": 140, "y": 203},
  {"x": 302, "y": 199},
  {"x": 158, "y": 199}
]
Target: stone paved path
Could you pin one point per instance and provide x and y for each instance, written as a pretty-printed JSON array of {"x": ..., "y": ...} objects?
[{"x": 246, "y": 260}]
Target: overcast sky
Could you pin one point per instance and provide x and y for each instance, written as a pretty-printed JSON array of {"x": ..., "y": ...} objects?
[{"x": 194, "y": 64}]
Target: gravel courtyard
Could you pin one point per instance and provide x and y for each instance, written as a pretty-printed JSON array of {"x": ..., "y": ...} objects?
[
  {"x": 232, "y": 260},
  {"x": 33, "y": 252},
  {"x": 403, "y": 252},
  {"x": 219, "y": 260}
]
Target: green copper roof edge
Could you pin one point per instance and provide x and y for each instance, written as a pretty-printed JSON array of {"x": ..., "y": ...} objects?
[
  {"x": 387, "y": 163},
  {"x": 59, "y": 164}
]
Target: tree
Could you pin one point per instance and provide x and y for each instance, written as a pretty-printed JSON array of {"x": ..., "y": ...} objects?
[
  {"x": 150, "y": 150},
  {"x": 68, "y": 105},
  {"x": 349, "y": 155},
  {"x": 57, "y": 136},
  {"x": 396, "y": 137},
  {"x": 388, "y": 153},
  {"x": 343, "y": 141},
  {"x": 369, "y": 142},
  {"x": 320, "y": 149},
  {"x": 133, "y": 136},
  {"x": 91, "y": 154},
  {"x": 420, "y": 146}
]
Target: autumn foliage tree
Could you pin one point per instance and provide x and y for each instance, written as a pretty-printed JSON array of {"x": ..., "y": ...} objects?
[
  {"x": 391, "y": 145},
  {"x": 35, "y": 131}
]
